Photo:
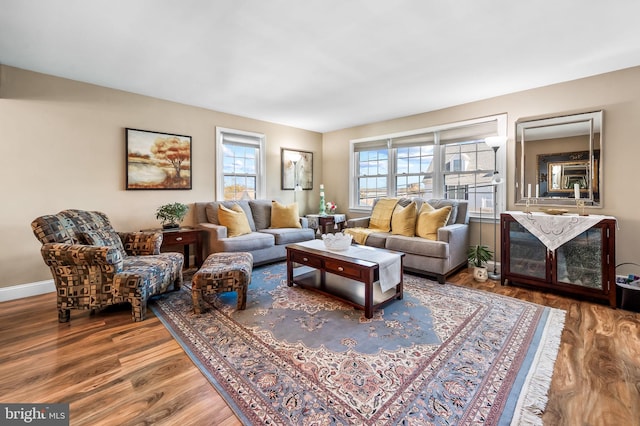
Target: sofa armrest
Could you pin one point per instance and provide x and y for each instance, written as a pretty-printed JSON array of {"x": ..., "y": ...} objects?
[
  {"x": 59, "y": 254},
  {"x": 359, "y": 222},
  {"x": 214, "y": 233},
  {"x": 304, "y": 222},
  {"x": 457, "y": 235},
  {"x": 141, "y": 243}
]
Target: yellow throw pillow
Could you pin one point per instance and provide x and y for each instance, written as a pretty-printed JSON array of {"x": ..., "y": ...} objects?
[
  {"x": 429, "y": 221},
  {"x": 381, "y": 214},
  {"x": 284, "y": 216},
  {"x": 234, "y": 219},
  {"x": 403, "y": 221}
]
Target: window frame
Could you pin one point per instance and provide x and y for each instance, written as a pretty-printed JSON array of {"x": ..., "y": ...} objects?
[
  {"x": 243, "y": 137},
  {"x": 439, "y": 173}
]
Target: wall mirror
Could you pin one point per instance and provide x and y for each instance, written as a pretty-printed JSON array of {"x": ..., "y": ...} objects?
[{"x": 559, "y": 158}]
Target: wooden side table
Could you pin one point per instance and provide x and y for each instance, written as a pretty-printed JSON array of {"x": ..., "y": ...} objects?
[
  {"x": 326, "y": 223},
  {"x": 184, "y": 237}
]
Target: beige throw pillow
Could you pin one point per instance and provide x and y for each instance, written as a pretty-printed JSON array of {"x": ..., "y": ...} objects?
[
  {"x": 403, "y": 221},
  {"x": 234, "y": 219},
  {"x": 429, "y": 221},
  {"x": 284, "y": 216}
]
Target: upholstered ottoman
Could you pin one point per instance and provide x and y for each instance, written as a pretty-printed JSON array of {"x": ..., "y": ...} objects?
[{"x": 222, "y": 272}]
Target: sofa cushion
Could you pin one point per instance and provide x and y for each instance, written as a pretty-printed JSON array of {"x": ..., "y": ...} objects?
[
  {"x": 261, "y": 211},
  {"x": 418, "y": 246},
  {"x": 403, "y": 221},
  {"x": 439, "y": 203},
  {"x": 290, "y": 235},
  {"x": 234, "y": 219},
  {"x": 212, "y": 211},
  {"x": 106, "y": 237},
  {"x": 284, "y": 216},
  {"x": 246, "y": 242},
  {"x": 429, "y": 221},
  {"x": 381, "y": 214}
]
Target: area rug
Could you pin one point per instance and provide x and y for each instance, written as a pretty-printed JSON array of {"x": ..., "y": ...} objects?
[{"x": 444, "y": 354}]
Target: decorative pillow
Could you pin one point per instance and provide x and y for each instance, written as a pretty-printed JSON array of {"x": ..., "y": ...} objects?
[
  {"x": 234, "y": 219},
  {"x": 103, "y": 238},
  {"x": 381, "y": 214},
  {"x": 439, "y": 203},
  {"x": 429, "y": 222},
  {"x": 284, "y": 216},
  {"x": 403, "y": 221}
]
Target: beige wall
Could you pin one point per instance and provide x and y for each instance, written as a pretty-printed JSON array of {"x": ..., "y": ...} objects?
[
  {"x": 63, "y": 146},
  {"x": 617, "y": 93}
]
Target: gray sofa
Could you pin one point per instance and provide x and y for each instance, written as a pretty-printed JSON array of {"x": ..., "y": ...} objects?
[
  {"x": 266, "y": 244},
  {"x": 438, "y": 258}
]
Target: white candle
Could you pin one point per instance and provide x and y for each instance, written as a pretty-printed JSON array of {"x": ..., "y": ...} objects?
[
  {"x": 528, "y": 190},
  {"x": 537, "y": 190},
  {"x": 576, "y": 190},
  {"x": 321, "y": 186}
]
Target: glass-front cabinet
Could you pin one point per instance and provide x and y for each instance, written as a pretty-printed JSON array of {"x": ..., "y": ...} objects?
[{"x": 583, "y": 265}]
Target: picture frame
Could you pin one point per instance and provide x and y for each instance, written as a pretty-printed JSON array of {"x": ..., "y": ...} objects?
[
  {"x": 297, "y": 169},
  {"x": 157, "y": 160}
]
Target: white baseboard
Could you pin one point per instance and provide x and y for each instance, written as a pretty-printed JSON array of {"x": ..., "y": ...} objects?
[{"x": 26, "y": 290}]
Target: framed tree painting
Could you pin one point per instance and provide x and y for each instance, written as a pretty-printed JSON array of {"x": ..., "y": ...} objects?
[
  {"x": 297, "y": 169},
  {"x": 158, "y": 160}
]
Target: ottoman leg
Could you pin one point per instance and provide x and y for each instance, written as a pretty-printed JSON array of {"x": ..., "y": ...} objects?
[
  {"x": 196, "y": 296},
  {"x": 242, "y": 298}
]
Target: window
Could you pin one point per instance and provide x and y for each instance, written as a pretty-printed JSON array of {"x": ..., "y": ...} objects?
[
  {"x": 451, "y": 161},
  {"x": 240, "y": 162}
]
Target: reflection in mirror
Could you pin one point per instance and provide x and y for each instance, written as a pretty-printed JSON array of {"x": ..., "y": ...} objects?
[{"x": 561, "y": 157}]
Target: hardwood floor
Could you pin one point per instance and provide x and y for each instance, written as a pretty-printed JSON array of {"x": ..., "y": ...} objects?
[{"x": 113, "y": 371}]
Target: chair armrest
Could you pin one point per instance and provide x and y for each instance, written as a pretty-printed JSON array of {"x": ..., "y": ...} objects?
[
  {"x": 359, "y": 222},
  {"x": 304, "y": 222},
  {"x": 141, "y": 243},
  {"x": 58, "y": 254}
]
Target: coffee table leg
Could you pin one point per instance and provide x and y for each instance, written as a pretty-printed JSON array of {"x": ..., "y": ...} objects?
[
  {"x": 368, "y": 296},
  {"x": 289, "y": 270}
]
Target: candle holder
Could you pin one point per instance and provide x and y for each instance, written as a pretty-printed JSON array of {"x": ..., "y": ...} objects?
[
  {"x": 580, "y": 208},
  {"x": 527, "y": 205}
]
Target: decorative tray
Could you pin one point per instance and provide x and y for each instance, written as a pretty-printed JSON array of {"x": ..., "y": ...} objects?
[{"x": 555, "y": 211}]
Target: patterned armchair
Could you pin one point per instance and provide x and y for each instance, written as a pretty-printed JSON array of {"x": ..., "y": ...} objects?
[{"x": 93, "y": 266}]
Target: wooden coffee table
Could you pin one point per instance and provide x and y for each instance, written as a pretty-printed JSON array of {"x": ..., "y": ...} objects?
[{"x": 341, "y": 275}]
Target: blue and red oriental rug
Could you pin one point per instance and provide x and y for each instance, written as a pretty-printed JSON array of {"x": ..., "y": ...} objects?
[{"x": 444, "y": 354}]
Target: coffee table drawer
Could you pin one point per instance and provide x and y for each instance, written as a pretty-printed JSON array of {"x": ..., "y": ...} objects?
[
  {"x": 304, "y": 259},
  {"x": 346, "y": 270}
]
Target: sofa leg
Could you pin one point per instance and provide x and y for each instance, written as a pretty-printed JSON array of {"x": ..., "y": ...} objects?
[
  {"x": 441, "y": 279},
  {"x": 64, "y": 315}
]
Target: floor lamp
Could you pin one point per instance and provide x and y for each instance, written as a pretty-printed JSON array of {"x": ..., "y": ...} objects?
[{"x": 495, "y": 142}]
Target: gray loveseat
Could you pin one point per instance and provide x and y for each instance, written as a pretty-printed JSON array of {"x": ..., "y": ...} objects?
[
  {"x": 266, "y": 244},
  {"x": 440, "y": 257}
]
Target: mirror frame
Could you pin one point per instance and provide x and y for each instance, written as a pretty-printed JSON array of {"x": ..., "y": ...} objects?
[{"x": 592, "y": 158}]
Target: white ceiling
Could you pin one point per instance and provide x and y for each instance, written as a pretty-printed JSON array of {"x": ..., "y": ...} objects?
[{"x": 320, "y": 65}]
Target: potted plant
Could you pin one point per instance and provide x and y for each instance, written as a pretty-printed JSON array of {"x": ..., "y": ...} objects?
[
  {"x": 478, "y": 256},
  {"x": 171, "y": 214}
]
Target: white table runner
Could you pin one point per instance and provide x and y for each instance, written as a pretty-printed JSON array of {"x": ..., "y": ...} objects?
[
  {"x": 388, "y": 263},
  {"x": 555, "y": 230}
]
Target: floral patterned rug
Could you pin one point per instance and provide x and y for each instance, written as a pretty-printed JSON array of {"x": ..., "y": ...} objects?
[{"x": 444, "y": 354}]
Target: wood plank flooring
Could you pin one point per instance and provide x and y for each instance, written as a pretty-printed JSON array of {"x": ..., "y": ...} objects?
[{"x": 113, "y": 371}]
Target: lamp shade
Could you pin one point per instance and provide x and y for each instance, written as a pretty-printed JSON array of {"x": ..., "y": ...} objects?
[{"x": 495, "y": 141}]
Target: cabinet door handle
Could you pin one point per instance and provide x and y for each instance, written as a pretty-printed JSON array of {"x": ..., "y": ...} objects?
[
  {"x": 179, "y": 239},
  {"x": 306, "y": 259},
  {"x": 340, "y": 268}
]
